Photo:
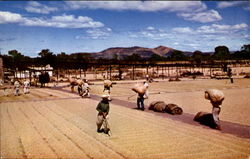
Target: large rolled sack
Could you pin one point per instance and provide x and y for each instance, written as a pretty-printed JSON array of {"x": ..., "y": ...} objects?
[
  {"x": 79, "y": 82},
  {"x": 173, "y": 109},
  {"x": 139, "y": 88},
  {"x": 107, "y": 83},
  {"x": 158, "y": 106},
  {"x": 199, "y": 115},
  {"x": 215, "y": 95},
  {"x": 152, "y": 105},
  {"x": 205, "y": 119},
  {"x": 72, "y": 81}
]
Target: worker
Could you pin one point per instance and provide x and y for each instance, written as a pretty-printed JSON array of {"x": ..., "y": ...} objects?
[
  {"x": 102, "y": 116},
  {"x": 16, "y": 88},
  {"x": 86, "y": 89},
  {"x": 26, "y": 86}
]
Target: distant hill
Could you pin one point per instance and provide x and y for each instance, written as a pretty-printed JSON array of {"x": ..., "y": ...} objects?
[{"x": 122, "y": 52}]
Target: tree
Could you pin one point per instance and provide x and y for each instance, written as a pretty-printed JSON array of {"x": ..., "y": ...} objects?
[
  {"x": 47, "y": 57},
  {"x": 197, "y": 57},
  {"x": 221, "y": 53},
  {"x": 246, "y": 48},
  {"x": 18, "y": 60},
  {"x": 115, "y": 58},
  {"x": 133, "y": 57},
  {"x": 245, "y": 51},
  {"x": 155, "y": 57},
  {"x": 177, "y": 55},
  {"x": 45, "y": 53}
]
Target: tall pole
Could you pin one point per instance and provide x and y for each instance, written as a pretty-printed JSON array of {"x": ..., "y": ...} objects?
[
  {"x": 110, "y": 68},
  {"x": 133, "y": 73},
  {"x": 162, "y": 73}
]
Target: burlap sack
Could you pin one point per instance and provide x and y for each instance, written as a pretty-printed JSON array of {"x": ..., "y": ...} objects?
[
  {"x": 107, "y": 83},
  {"x": 214, "y": 95},
  {"x": 139, "y": 88},
  {"x": 160, "y": 106},
  {"x": 72, "y": 81},
  {"x": 79, "y": 82},
  {"x": 173, "y": 109}
]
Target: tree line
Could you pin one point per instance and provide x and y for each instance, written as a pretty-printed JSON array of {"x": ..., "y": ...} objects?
[{"x": 16, "y": 60}]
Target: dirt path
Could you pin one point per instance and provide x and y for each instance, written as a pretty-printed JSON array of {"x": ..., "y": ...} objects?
[{"x": 236, "y": 129}]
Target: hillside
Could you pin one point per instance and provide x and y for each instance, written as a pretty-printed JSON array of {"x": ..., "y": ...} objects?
[{"x": 122, "y": 52}]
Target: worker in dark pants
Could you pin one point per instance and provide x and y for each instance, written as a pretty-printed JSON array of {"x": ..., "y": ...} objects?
[
  {"x": 102, "y": 117},
  {"x": 140, "y": 101}
]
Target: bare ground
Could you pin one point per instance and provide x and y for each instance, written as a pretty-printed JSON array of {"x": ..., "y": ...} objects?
[{"x": 50, "y": 123}]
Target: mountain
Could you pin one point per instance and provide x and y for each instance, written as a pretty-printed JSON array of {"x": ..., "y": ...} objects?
[
  {"x": 163, "y": 50},
  {"x": 122, "y": 52}
]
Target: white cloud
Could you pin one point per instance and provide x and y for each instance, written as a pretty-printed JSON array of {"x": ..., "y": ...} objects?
[
  {"x": 64, "y": 21},
  {"x": 35, "y": 7},
  {"x": 203, "y": 17},
  {"x": 148, "y": 6},
  {"x": 150, "y": 28},
  {"x": 226, "y": 4},
  {"x": 201, "y": 37},
  {"x": 96, "y": 33},
  {"x": 8, "y": 17},
  {"x": 151, "y": 33},
  {"x": 216, "y": 28},
  {"x": 189, "y": 10},
  {"x": 240, "y": 26},
  {"x": 183, "y": 30},
  {"x": 244, "y": 4}
]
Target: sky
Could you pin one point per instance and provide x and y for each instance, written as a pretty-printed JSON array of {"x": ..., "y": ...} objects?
[{"x": 93, "y": 26}]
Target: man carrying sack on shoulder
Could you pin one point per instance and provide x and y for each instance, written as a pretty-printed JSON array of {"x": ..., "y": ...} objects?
[
  {"x": 142, "y": 91},
  {"x": 102, "y": 117},
  {"x": 107, "y": 87}
]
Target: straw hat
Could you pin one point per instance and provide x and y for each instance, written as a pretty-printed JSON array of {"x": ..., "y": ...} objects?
[{"x": 105, "y": 96}]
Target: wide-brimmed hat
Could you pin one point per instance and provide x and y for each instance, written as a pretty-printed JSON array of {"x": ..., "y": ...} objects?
[{"x": 105, "y": 96}]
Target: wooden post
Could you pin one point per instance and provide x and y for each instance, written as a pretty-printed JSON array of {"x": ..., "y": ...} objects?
[
  {"x": 168, "y": 72},
  {"x": 210, "y": 71},
  {"x": 133, "y": 73},
  {"x": 110, "y": 68},
  {"x": 162, "y": 73},
  {"x": 57, "y": 75}
]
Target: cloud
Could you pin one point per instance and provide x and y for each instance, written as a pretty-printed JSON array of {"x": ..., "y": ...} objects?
[
  {"x": 147, "y": 6},
  {"x": 216, "y": 28},
  {"x": 8, "y": 17},
  {"x": 63, "y": 21},
  {"x": 203, "y": 17},
  {"x": 35, "y": 7},
  {"x": 96, "y": 33},
  {"x": 244, "y": 4},
  {"x": 183, "y": 30},
  {"x": 201, "y": 37},
  {"x": 7, "y": 39},
  {"x": 151, "y": 33},
  {"x": 189, "y": 10},
  {"x": 150, "y": 28}
]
